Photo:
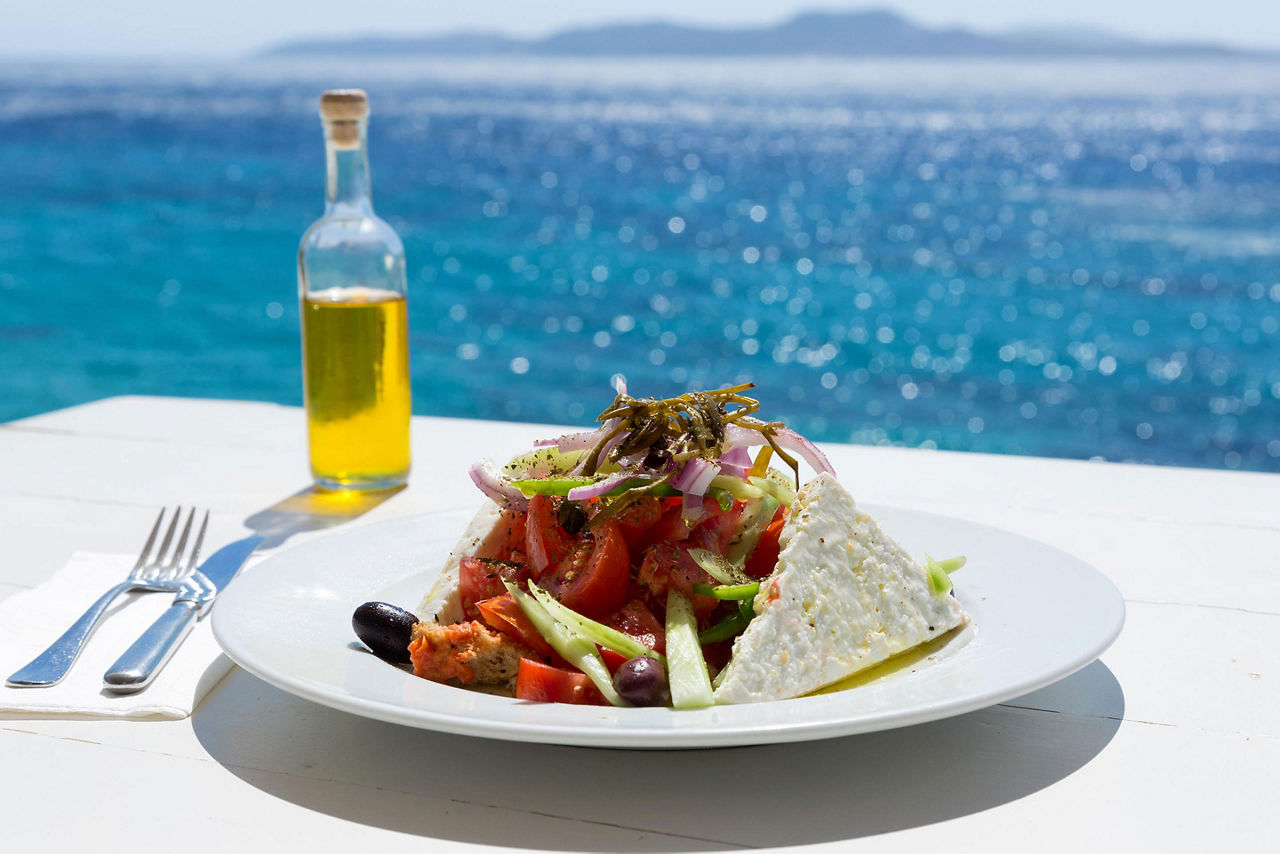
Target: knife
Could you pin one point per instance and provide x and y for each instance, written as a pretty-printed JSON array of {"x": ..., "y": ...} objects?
[{"x": 140, "y": 663}]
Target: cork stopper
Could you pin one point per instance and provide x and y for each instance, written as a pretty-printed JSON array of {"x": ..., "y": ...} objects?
[
  {"x": 343, "y": 110},
  {"x": 349, "y": 105}
]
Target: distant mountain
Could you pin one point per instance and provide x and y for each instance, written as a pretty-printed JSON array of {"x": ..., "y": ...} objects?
[
  {"x": 1092, "y": 38},
  {"x": 845, "y": 34}
]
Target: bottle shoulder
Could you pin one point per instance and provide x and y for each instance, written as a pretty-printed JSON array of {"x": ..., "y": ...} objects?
[{"x": 351, "y": 233}]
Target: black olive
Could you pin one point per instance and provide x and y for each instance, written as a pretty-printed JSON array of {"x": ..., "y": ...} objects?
[
  {"x": 571, "y": 517},
  {"x": 385, "y": 629},
  {"x": 642, "y": 681},
  {"x": 657, "y": 458}
]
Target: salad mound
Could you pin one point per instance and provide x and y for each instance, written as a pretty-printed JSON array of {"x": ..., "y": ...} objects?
[{"x": 623, "y": 565}]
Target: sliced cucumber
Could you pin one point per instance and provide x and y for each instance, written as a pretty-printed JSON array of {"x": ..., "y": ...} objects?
[
  {"x": 737, "y": 487},
  {"x": 686, "y": 668},
  {"x": 939, "y": 580},
  {"x": 573, "y": 648},
  {"x": 776, "y": 484},
  {"x": 756, "y": 517},
  {"x": 606, "y": 636},
  {"x": 552, "y": 485},
  {"x": 542, "y": 462},
  {"x": 951, "y": 564},
  {"x": 719, "y": 568},
  {"x": 723, "y": 497}
]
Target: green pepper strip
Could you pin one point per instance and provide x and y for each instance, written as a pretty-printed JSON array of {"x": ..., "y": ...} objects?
[
  {"x": 562, "y": 485},
  {"x": 725, "y": 629},
  {"x": 728, "y": 591}
]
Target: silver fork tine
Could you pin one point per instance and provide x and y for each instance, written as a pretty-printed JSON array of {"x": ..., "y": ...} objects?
[
  {"x": 168, "y": 537},
  {"x": 146, "y": 550},
  {"x": 170, "y": 569},
  {"x": 195, "y": 550}
]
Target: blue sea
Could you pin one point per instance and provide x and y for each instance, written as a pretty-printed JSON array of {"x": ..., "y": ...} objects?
[{"x": 1075, "y": 259}]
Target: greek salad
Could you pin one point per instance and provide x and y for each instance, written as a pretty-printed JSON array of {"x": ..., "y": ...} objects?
[{"x": 669, "y": 557}]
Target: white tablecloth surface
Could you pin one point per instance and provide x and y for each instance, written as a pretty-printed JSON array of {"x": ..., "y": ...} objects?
[{"x": 1170, "y": 742}]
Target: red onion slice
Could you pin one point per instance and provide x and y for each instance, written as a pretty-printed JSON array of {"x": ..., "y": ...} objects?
[
  {"x": 693, "y": 471},
  {"x": 787, "y": 439},
  {"x": 693, "y": 480},
  {"x": 490, "y": 480},
  {"x": 573, "y": 441},
  {"x": 793, "y": 441},
  {"x": 737, "y": 436},
  {"x": 691, "y": 509},
  {"x": 610, "y": 445},
  {"x": 736, "y": 461},
  {"x": 635, "y": 460}
]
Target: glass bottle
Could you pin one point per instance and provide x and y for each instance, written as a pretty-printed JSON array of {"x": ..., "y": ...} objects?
[{"x": 351, "y": 286}]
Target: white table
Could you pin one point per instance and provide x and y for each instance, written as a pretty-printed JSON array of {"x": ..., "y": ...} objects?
[{"x": 1170, "y": 743}]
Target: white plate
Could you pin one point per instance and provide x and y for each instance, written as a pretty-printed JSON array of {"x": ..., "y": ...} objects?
[{"x": 1038, "y": 615}]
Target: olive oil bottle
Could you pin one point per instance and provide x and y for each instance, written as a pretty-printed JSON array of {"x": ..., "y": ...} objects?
[{"x": 355, "y": 349}]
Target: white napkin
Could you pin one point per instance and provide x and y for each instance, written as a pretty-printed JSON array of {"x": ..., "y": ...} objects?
[{"x": 33, "y": 619}]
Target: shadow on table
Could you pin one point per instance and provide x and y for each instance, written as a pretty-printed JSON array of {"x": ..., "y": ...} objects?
[
  {"x": 546, "y": 797},
  {"x": 311, "y": 509}
]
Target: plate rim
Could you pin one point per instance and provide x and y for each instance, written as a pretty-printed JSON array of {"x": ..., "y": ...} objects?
[{"x": 575, "y": 733}]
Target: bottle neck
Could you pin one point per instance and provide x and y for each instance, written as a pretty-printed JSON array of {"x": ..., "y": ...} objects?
[{"x": 347, "y": 189}]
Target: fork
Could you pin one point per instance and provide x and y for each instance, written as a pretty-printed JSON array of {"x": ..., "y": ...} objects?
[{"x": 159, "y": 572}]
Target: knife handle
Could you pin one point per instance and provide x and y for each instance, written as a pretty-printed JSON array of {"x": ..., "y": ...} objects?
[{"x": 140, "y": 663}]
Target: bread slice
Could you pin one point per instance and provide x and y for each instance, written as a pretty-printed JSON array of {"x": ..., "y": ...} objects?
[{"x": 843, "y": 597}]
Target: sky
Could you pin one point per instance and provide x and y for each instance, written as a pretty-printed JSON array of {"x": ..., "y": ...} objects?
[{"x": 228, "y": 28}]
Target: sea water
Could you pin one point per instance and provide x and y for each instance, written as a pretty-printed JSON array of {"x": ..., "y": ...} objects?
[{"x": 1071, "y": 259}]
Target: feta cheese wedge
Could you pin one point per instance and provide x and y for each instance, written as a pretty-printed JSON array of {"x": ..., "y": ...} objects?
[
  {"x": 444, "y": 600},
  {"x": 843, "y": 597}
]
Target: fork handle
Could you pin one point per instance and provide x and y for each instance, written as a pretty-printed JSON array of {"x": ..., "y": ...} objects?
[
  {"x": 51, "y": 666},
  {"x": 140, "y": 663}
]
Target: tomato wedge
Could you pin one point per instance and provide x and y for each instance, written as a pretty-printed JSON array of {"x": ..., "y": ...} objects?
[
  {"x": 668, "y": 526},
  {"x": 480, "y": 579},
  {"x": 504, "y": 615},
  {"x": 547, "y": 684},
  {"x": 639, "y": 520},
  {"x": 546, "y": 542},
  {"x": 718, "y": 527},
  {"x": 593, "y": 580},
  {"x": 635, "y": 619},
  {"x": 668, "y": 566},
  {"x": 764, "y": 557},
  {"x": 612, "y": 660}
]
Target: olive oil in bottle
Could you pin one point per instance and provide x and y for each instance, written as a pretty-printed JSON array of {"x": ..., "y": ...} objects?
[{"x": 351, "y": 286}]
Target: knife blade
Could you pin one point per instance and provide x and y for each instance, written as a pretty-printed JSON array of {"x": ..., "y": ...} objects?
[{"x": 141, "y": 662}]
